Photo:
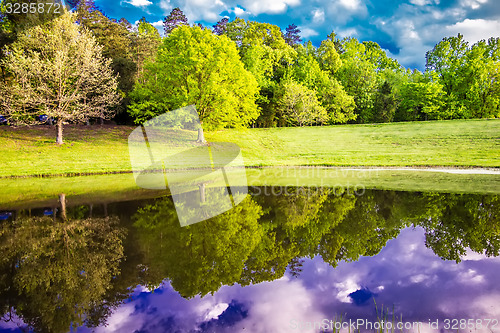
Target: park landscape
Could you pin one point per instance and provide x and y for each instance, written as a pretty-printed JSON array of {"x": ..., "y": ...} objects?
[{"x": 365, "y": 149}]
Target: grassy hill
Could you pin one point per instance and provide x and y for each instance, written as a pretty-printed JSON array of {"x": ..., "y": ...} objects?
[{"x": 104, "y": 149}]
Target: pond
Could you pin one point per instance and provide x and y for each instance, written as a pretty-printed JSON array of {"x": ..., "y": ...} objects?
[{"x": 294, "y": 259}]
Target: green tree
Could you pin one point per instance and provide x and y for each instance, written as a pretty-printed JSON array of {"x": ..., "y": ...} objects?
[
  {"x": 457, "y": 222},
  {"x": 384, "y": 104},
  {"x": 145, "y": 44},
  {"x": 422, "y": 101},
  {"x": 307, "y": 70},
  {"x": 267, "y": 56},
  {"x": 359, "y": 78},
  {"x": 482, "y": 74},
  {"x": 175, "y": 19},
  {"x": 299, "y": 105},
  {"x": 117, "y": 41},
  {"x": 194, "y": 66},
  {"x": 199, "y": 258},
  {"x": 448, "y": 60},
  {"x": 53, "y": 273},
  {"x": 57, "y": 69}
]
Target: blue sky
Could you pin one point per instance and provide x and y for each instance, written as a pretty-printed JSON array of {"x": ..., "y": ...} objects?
[
  {"x": 405, "y": 277},
  {"x": 406, "y": 29}
]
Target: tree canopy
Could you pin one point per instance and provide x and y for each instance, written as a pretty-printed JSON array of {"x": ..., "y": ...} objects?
[
  {"x": 193, "y": 66},
  {"x": 57, "y": 69}
]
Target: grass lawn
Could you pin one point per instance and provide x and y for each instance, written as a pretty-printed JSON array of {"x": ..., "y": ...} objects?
[{"x": 103, "y": 149}]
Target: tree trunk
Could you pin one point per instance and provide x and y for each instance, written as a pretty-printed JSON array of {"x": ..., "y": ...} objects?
[
  {"x": 202, "y": 192},
  {"x": 59, "y": 127},
  {"x": 62, "y": 200},
  {"x": 201, "y": 136},
  {"x": 101, "y": 121}
]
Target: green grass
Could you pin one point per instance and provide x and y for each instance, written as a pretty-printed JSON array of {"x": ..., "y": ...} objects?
[
  {"x": 104, "y": 149},
  {"x": 471, "y": 143}
]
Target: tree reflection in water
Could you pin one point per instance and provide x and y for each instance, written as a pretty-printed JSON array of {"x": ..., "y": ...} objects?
[
  {"x": 74, "y": 265},
  {"x": 54, "y": 273}
]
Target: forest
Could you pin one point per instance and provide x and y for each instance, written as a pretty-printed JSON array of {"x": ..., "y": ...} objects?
[{"x": 82, "y": 66}]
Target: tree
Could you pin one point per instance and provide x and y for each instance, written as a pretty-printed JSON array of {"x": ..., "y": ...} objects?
[
  {"x": 117, "y": 41},
  {"x": 385, "y": 104},
  {"x": 194, "y": 66},
  {"x": 54, "y": 272},
  {"x": 422, "y": 101},
  {"x": 202, "y": 257},
  {"x": 13, "y": 22},
  {"x": 358, "y": 77},
  {"x": 221, "y": 27},
  {"x": 58, "y": 70},
  {"x": 267, "y": 56},
  {"x": 299, "y": 105},
  {"x": 145, "y": 44},
  {"x": 332, "y": 96},
  {"x": 482, "y": 76},
  {"x": 454, "y": 223},
  {"x": 292, "y": 35},
  {"x": 175, "y": 19},
  {"x": 447, "y": 60}
]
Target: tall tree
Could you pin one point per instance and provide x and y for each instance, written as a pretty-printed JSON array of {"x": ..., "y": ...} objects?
[
  {"x": 307, "y": 70},
  {"x": 14, "y": 22},
  {"x": 384, "y": 104},
  {"x": 194, "y": 66},
  {"x": 57, "y": 69},
  {"x": 146, "y": 42},
  {"x": 447, "y": 59},
  {"x": 292, "y": 35},
  {"x": 175, "y": 19},
  {"x": 212, "y": 253},
  {"x": 117, "y": 41},
  {"x": 221, "y": 27},
  {"x": 359, "y": 78},
  {"x": 267, "y": 56}
]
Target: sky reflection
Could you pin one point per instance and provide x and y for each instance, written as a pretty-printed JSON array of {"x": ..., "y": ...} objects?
[{"x": 405, "y": 277}]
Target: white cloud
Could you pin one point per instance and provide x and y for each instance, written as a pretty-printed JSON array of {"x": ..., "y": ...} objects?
[
  {"x": 475, "y": 30},
  {"x": 352, "y": 5},
  {"x": 166, "y": 6},
  {"x": 269, "y": 6},
  {"x": 140, "y": 3},
  {"x": 424, "y": 2},
  {"x": 196, "y": 10},
  {"x": 474, "y": 4},
  {"x": 318, "y": 16},
  {"x": 238, "y": 11},
  {"x": 351, "y": 32},
  {"x": 157, "y": 24},
  {"x": 307, "y": 32}
]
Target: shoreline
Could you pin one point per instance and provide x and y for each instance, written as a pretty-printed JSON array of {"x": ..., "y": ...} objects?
[{"x": 459, "y": 170}]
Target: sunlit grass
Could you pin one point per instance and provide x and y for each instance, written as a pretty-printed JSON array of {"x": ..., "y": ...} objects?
[{"x": 104, "y": 149}]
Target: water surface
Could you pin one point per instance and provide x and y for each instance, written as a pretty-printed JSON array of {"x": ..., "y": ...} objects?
[{"x": 284, "y": 260}]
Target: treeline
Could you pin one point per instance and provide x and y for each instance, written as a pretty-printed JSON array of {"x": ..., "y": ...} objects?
[{"x": 245, "y": 73}]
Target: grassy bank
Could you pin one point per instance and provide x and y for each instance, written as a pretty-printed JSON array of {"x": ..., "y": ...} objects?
[{"x": 103, "y": 149}]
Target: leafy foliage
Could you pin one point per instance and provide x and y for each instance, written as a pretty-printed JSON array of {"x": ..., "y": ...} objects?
[
  {"x": 48, "y": 265},
  {"x": 193, "y": 66},
  {"x": 57, "y": 69},
  {"x": 175, "y": 19}
]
